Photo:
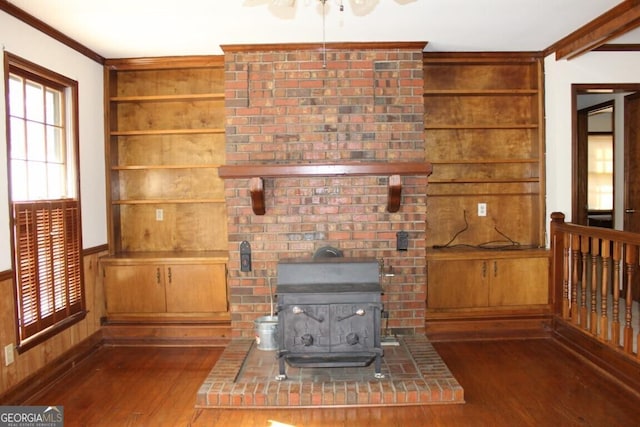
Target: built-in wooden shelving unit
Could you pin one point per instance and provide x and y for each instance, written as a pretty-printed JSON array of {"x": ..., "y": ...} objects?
[{"x": 167, "y": 214}]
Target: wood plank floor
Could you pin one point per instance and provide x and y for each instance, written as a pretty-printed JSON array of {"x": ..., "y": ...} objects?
[{"x": 507, "y": 383}]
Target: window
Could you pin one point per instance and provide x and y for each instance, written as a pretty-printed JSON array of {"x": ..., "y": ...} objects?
[
  {"x": 600, "y": 172},
  {"x": 45, "y": 202}
]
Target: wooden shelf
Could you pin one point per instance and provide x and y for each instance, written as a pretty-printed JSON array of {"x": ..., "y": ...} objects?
[
  {"x": 464, "y": 253},
  {"x": 162, "y": 167},
  {"x": 170, "y": 98},
  {"x": 163, "y": 256},
  {"x": 481, "y": 126},
  {"x": 166, "y": 132},
  {"x": 257, "y": 172},
  {"x": 165, "y": 201},
  {"x": 485, "y": 194},
  {"x": 480, "y": 92},
  {"x": 482, "y": 180},
  {"x": 484, "y": 161},
  {"x": 341, "y": 169}
]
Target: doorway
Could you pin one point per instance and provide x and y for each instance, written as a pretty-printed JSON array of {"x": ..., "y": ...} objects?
[
  {"x": 595, "y": 142},
  {"x": 603, "y": 126}
]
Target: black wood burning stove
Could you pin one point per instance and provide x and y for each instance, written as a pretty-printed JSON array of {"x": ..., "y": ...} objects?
[{"x": 329, "y": 312}]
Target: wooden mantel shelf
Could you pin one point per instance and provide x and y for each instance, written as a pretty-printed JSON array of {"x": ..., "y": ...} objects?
[
  {"x": 341, "y": 169},
  {"x": 257, "y": 172}
]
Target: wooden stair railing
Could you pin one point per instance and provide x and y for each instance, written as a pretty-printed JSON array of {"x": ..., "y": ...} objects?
[{"x": 595, "y": 278}]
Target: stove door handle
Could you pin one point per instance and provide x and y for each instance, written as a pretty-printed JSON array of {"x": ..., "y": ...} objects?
[
  {"x": 358, "y": 312},
  {"x": 298, "y": 310}
]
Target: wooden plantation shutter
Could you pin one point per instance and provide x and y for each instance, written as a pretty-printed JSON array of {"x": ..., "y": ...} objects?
[{"x": 48, "y": 263}]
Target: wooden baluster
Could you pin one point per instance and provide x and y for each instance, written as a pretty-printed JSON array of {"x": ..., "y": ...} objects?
[
  {"x": 566, "y": 304},
  {"x": 584, "y": 251},
  {"x": 595, "y": 253},
  {"x": 615, "y": 316},
  {"x": 604, "y": 286},
  {"x": 630, "y": 257},
  {"x": 575, "y": 281}
]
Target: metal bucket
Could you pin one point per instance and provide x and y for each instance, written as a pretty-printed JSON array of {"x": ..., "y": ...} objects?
[{"x": 265, "y": 328}]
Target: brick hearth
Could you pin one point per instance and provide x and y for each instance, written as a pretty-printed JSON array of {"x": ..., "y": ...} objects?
[{"x": 244, "y": 377}]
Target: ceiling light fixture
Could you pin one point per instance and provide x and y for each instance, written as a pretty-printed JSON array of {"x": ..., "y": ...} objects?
[{"x": 339, "y": 3}]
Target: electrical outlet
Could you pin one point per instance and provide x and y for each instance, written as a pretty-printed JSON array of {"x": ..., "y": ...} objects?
[
  {"x": 159, "y": 214},
  {"x": 482, "y": 209},
  {"x": 8, "y": 354}
]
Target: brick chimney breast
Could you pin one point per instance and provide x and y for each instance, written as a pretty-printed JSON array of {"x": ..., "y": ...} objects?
[{"x": 302, "y": 104}]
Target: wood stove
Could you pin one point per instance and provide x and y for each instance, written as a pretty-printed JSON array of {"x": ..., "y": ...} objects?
[{"x": 329, "y": 312}]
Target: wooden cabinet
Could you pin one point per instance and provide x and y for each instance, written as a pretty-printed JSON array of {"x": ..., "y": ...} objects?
[
  {"x": 456, "y": 284},
  {"x": 134, "y": 289},
  {"x": 485, "y": 279},
  {"x": 167, "y": 221},
  {"x": 484, "y": 135},
  {"x": 143, "y": 285},
  {"x": 523, "y": 281},
  {"x": 195, "y": 288}
]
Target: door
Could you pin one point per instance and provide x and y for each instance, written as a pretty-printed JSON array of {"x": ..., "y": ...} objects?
[
  {"x": 631, "y": 181},
  {"x": 457, "y": 284},
  {"x": 134, "y": 289},
  {"x": 632, "y": 163},
  {"x": 196, "y": 288},
  {"x": 522, "y": 281},
  {"x": 580, "y": 207}
]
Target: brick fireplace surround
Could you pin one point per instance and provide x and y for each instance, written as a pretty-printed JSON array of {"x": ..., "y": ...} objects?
[{"x": 301, "y": 104}]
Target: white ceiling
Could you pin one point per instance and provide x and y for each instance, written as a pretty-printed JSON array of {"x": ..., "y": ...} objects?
[{"x": 142, "y": 28}]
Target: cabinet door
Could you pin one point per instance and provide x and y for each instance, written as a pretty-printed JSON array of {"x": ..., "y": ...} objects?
[
  {"x": 457, "y": 284},
  {"x": 521, "y": 281},
  {"x": 196, "y": 288},
  {"x": 134, "y": 289}
]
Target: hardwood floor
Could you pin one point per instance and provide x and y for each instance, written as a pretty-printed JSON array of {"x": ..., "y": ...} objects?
[{"x": 507, "y": 383}]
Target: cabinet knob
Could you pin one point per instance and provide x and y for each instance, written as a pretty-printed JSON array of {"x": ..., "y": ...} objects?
[
  {"x": 158, "y": 275},
  {"x": 169, "y": 274}
]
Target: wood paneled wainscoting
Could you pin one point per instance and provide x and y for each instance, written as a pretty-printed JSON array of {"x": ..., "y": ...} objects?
[
  {"x": 45, "y": 362},
  {"x": 596, "y": 286}
]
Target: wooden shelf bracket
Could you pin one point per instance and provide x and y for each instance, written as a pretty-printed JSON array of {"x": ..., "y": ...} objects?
[
  {"x": 256, "y": 189},
  {"x": 256, "y": 173},
  {"x": 395, "y": 193}
]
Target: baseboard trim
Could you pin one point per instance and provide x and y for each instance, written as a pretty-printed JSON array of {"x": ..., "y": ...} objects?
[
  {"x": 206, "y": 334},
  {"x": 623, "y": 368},
  {"x": 30, "y": 387},
  {"x": 483, "y": 328}
]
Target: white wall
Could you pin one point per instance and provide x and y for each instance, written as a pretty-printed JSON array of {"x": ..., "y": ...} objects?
[
  {"x": 593, "y": 67},
  {"x": 24, "y": 41}
]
